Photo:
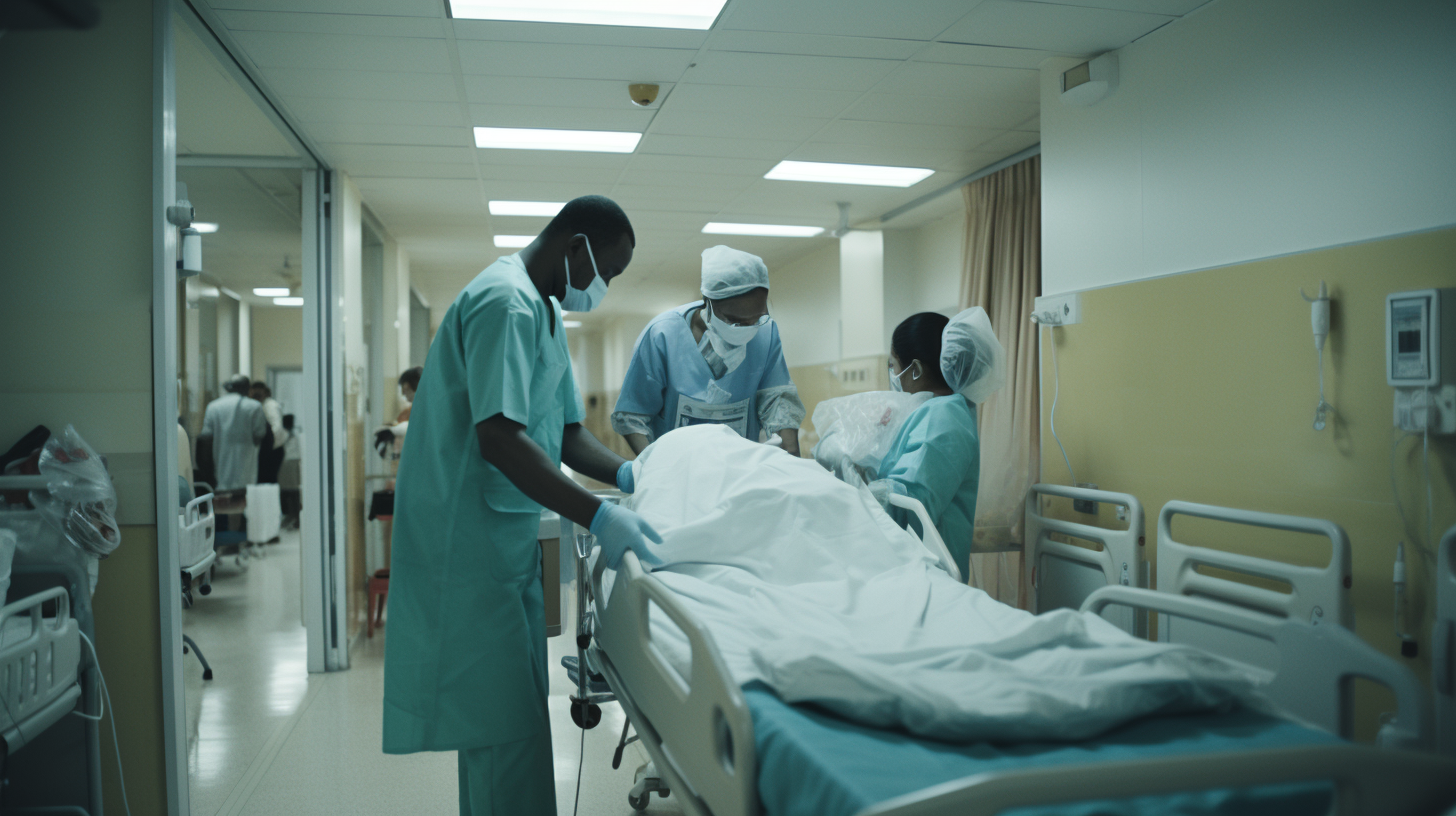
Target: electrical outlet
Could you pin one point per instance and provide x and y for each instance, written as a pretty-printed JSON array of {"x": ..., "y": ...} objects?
[
  {"x": 1066, "y": 309},
  {"x": 1085, "y": 505}
]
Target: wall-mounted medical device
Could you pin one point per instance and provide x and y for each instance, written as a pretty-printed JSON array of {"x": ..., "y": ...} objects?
[
  {"x": 1319, "y": 321},
  {"x": 1087, "y": 83},
  {"x": 189, "y": 238},
  {"x": 1420, "y": 358}
]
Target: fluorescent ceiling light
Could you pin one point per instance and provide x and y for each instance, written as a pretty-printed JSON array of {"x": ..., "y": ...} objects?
[
  {"x": 513, "y": 241},
  {"x": 591, "y": 141},
  {"x": 778, "y": 230},
  {"x": 203, "y": 226},
  {"x": 271, "y": 291},
  {"x": 288, "y": 301},
  {"x": 571, "y": 324},
  {"x": 545, "y": 208},
  {"x": 871, "y": 174},
  {"x": 695, "y": 14}
]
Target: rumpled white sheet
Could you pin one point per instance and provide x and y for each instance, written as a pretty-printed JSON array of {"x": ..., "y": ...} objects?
[{"x": 807, "y": 585}]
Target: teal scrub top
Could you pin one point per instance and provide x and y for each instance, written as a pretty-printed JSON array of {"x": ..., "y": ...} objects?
[
  {"x": 936, "y": 459},
  {"x": 667, "y": 366},
  {"x": 460, "y": 664}
]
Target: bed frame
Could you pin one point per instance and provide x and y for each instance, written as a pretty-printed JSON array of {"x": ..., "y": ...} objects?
[
  {"x": 1064, "y": 575},
  {"x": 699, "y": 732},
  {"x": 1443, "y": 645}
]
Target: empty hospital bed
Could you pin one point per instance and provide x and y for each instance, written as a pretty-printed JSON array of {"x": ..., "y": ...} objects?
[{"x": 724, "y": 749}]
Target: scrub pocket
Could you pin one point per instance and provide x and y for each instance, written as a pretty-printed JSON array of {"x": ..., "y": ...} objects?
[{"x": 515, "y": 553}]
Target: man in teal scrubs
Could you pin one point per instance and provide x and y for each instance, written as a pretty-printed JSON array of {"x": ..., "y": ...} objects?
[{"x": 496, "y": 414}]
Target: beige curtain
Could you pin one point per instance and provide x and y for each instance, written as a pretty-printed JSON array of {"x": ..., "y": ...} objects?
[{"x": 1003, "y": 276}]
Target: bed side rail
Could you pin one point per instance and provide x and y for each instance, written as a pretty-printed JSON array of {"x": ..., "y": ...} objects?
[
  {"x": 930, "y": 537},
  {"x": 1443, "y": 645},
  {"x": 38, "y": 679},
  {"x": 705, "y": 709},
  {"x": 1368, "y": 781},
  {"x": 1121, "y": 560},
  {"x": 1316, "y": 663},
  {"x": 1320, "y": 594}
]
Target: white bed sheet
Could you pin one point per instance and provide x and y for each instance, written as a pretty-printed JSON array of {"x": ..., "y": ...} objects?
[{"x": 807, "y": 586}]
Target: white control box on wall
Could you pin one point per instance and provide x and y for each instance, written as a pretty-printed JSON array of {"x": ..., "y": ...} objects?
[{"x": 1059, "y": 310}]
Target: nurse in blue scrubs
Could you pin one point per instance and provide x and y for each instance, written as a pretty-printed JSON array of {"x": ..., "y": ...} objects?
[
  {"x": 936, "y": 455},
  {"x": 713, "y": 361}
]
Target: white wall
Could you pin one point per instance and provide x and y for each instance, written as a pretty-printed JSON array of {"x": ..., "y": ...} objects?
[
  {"x": 804, "y": 300},
  {"x": 1252, "y": 129},
  {"x": 861, "y": 294},
  {"x": 923, "y": 270},
  {"x": 349, "y": 265}
]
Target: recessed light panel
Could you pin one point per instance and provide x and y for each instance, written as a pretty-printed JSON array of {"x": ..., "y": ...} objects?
[
  {"x": 514, "y": 241},
  {"x": 271, "y": 291},
  {"x": 204, "y": 226},
  {"x": 587, "y": 141},
  {"x": 694, "y": 14},
  {"x": 547, "y": 209},
  {"x": 288, "y": 301},
  {"x": 777, "y": 230},
  {"x": 828, "y": 172}
]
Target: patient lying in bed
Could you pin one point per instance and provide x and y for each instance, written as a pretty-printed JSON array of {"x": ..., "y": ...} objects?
[{"x": 809, "y": 587}]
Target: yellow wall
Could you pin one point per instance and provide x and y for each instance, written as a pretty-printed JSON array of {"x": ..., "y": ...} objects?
[{"x": 1202, "y": 387}]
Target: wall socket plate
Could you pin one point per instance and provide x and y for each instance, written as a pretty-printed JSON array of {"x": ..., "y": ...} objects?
[
  {"x": 1415, "y": 408},
  {"x": 1068, "y": 308},
  {"x": 1085, "y": 505}
]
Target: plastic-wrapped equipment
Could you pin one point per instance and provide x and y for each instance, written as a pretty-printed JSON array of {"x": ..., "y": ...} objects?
[
  {"x": 855, "y": 432},
  {"x": 80, "y": 501}
]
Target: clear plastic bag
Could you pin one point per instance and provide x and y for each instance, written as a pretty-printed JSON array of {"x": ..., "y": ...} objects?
[
  {"x": 855, "y": 432},
  {"x": 80, "y": 501}
]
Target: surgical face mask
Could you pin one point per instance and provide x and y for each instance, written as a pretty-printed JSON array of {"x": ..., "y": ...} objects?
[
  {"x": 895, "y": 383},
  {"x": 584, "y": 300},
  {"x": 730, "y": 334}
]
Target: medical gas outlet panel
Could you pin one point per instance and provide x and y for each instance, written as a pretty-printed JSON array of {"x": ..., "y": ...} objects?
[{"x": 1420, "y": 359}]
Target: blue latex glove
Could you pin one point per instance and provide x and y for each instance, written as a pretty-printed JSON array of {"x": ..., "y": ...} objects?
[
  {"x": 618, "y": 529},
  {"x": 626, "y": 481}
]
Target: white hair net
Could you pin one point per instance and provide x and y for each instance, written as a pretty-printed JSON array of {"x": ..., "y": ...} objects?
[
  {"x": 971, "y": 358},
  {"x": 728, "y": 272}
]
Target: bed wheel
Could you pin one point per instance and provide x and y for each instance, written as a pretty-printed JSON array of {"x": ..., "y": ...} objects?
[
  {"x": 638, "y": 802},
  {"x": 205, "y": 589},
  {"x": 585, "y": 715}
]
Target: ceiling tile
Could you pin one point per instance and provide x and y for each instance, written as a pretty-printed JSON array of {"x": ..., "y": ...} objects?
[
  {"x": 963, "y": 161},
  {"x": 367, "y": 24},
  {"x": 695, "y": 166},
  {"x": 1068, "y": 29},
  {"x": 542, "y": 190},
  {"x": 1012, "y": 141},
  {"x": 714, "y": 147},
  {"x": 1177, "y": 8},
  {"x": 734, "y": 125},
  {"x": 214, "y": 115},
  {"x": 553, "y": 92},
  {"x": 401, "y": 8},
  {"x": 744, "y": 98},
  {"x": 550, "y": 158},
  {"x": 596, "y": 176},
  {"x": 511, "y": 59},
  {"x": 278, "y": 49},
  {"x": 818, "y": 45},
  {"x": 785, "y": 71},
  {"x": 931, "y": 110},
  {"x": 963, "y": 81},
  {"x": 921, "y": 20},
  {"x": 375, "y": 111},
  {"x": 679, "y": 198},
  {"x": 890, "y": 136},
  {"x": 998, "y": 56},
  {"x": 703, "y": 179},
  {"x": 571, "y": 117},
  {"x": 355, "y": 133},
  {"x": 344, "y": 154},
  {"x": 380, "y": 169},
  {"x": 507, "y": 31},
  {"x": 313, "y": 83}
]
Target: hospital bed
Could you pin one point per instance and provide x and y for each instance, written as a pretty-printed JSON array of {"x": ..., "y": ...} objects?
[
  {"x": 197, "y": 529},
  {"x": 44, "y": 677},
  {"x": 1064, "y": 574},
  {"x": 1443, "y": 644},
  {"x": 715, "y": 744}
]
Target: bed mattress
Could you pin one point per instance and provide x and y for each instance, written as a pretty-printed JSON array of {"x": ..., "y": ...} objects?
[{"x": 814, "y": 764}]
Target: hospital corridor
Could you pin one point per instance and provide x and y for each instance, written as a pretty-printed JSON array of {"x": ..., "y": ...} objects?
[{"x": 727, "y": 407}]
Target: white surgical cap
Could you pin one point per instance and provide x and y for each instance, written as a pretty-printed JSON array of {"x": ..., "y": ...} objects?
[
  {"x": 728, "y": 272},
  {"x": 971, "y": 358}
]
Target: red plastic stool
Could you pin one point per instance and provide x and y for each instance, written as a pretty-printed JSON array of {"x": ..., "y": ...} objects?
[{"x": 378, "y": 591}]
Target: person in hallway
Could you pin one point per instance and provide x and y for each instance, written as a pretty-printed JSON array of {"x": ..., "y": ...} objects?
[
  {"x": 270, "y": 456},
  {"x": 717, "y": 360},
  {"x": 935, "y": 457},
  {"x": 237, "y": 426},
  {"x": 389, "y": 440},
  {"x": 392, "y": 434},
  {"x": 496, "y": 415}
]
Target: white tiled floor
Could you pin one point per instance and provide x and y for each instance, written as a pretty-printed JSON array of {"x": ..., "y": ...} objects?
[{"x": 266, "y": 737}]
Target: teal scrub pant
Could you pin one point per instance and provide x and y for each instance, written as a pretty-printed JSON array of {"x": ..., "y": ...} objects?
[{"x": 515, "y": 778}]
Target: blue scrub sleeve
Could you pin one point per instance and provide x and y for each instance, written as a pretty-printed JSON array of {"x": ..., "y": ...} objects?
[
  {"x": 777, "y": 371},
  {"x": 499, "y": 338},
  {"x": 933, "y": 465},
  {"x": 644, "y": 389}
]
